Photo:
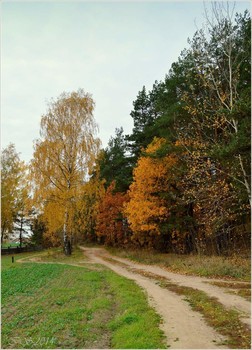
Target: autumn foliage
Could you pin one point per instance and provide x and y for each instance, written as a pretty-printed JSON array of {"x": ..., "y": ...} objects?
[
  {"x": 148, "y": 207},
  {"x": 63, "y": 158},
  {"x": 189, "y": 154},
  {"x": 111, "y": 224}
]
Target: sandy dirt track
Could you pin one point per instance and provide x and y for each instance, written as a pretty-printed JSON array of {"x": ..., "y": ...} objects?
[
  {"x": 201, "y": 283},
  {"x": 183, "y": 327}
]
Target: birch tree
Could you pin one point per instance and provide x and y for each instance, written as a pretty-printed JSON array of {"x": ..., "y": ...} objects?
[{"x": 63, "y": 157}]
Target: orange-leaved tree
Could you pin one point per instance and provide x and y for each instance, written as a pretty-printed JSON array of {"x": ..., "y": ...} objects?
[
  {"x": 111, "y": 225},
  {"x": 148, "y": 208}
]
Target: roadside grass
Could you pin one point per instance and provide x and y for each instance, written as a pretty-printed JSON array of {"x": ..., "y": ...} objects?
[
  {"x": 135, "y": 324},
  {"x": 61, "y": 306},
  {"x": 208, "y": 266},
  {"x": 227, "y": 322}
]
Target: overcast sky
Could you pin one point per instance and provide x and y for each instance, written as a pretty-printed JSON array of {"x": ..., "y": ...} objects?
[{"x": 110, "y": 49}]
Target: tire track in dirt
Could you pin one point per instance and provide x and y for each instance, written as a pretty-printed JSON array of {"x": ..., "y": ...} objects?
[{"x": 184, "y": 328}]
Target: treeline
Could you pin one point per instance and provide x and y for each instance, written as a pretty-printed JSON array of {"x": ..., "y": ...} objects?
[{"x": 180, "y": 182}]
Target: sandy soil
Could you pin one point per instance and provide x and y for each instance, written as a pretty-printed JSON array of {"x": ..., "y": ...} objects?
[{"x": 184, "y": 328}]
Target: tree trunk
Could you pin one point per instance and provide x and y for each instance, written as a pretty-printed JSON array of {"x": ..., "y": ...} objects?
[
  {"x": 2, "y": 234},
  {"x": 67, "y": 246},
  {"x": 67, "y": 243},
  {"x": 20, "y": 232},
  {"x": 245, "y": 177}
]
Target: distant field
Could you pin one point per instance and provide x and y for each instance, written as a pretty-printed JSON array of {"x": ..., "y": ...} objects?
[
  {"x": 62, "y": 306},
  {"x": 11, "y": 244}
]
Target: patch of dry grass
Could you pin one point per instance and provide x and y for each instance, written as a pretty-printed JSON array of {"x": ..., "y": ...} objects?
[
  {"x": 208, "y": 266},
  {"x": 233, "y": 285},
  {"x": 244, "y": 293}
]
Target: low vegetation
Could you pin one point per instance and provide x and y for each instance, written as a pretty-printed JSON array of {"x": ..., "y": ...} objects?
[
  {"x": 63, "y": 306},
  {"x": 57, "y": 255},
  {"x": 208, "y": 266}
]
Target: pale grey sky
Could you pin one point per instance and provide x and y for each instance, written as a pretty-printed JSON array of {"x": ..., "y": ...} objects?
[{"x": 110, "y": 49}]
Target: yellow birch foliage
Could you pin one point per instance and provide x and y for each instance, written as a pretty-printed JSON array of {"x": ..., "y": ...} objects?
[{"x": 63, "y": 158}]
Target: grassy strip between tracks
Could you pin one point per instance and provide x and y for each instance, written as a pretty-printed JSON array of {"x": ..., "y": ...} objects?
[
  {"x": 63, "y": 306},
  {"x": 225, "y": 321},
  {"x": 241, "y": 289}
]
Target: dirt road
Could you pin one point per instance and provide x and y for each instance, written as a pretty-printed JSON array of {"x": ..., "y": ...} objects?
[{"x": 183, "y": 327}]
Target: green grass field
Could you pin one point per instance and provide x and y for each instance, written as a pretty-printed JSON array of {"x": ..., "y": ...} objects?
[
  {"x": 63, "y": 306},
  {"x": 12, "y": 244}
]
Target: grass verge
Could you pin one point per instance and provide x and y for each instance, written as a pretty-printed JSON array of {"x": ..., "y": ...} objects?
[
  {"x": 63, "y": 306},
  {"x": 208, "y": 266}
]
